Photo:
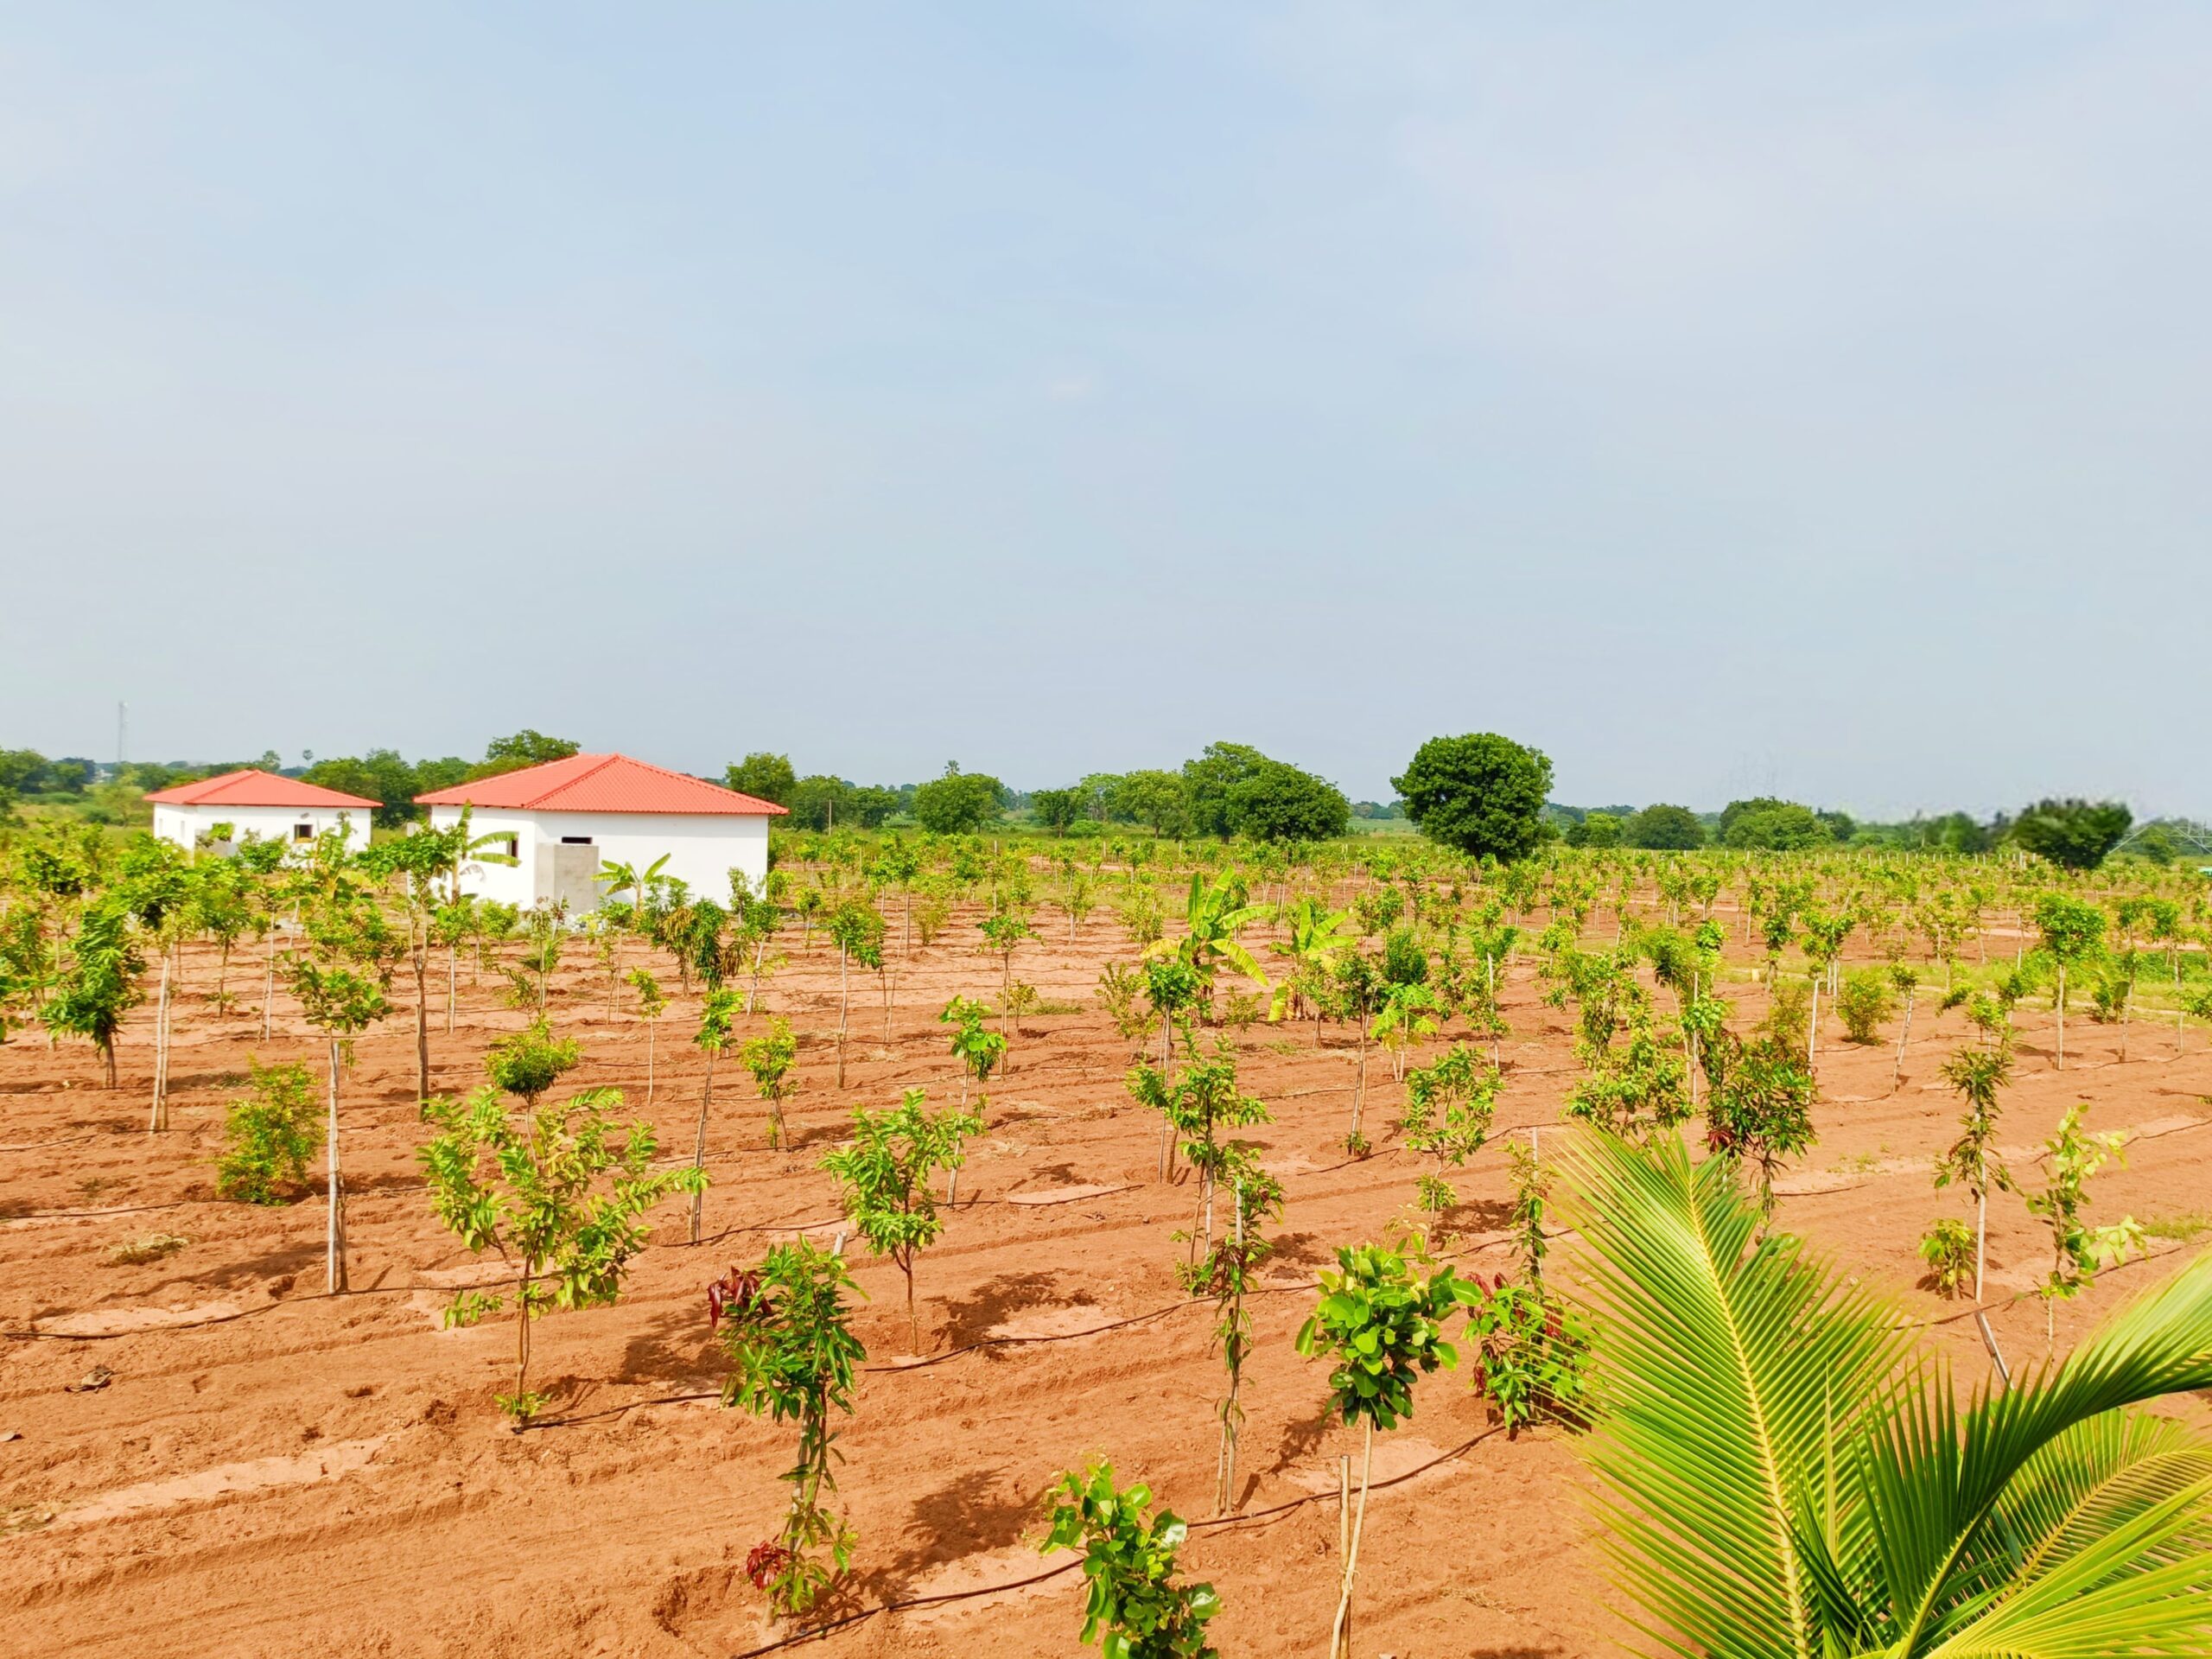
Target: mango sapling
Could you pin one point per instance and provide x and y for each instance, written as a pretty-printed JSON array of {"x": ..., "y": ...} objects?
[
  {"x": 2078, "y": 1250},
  {"x": 716, "y": 1009},
  {"x": 342, "y": 994},
  {"x": 1135, "y": 1608},
  {"x": 557, "y": 1193},
  {"x": 1449, "y": 1103},
  {"x": 883, "y": 1180},
  {"x": 1979, "y": 1074},
  {"x": 652, "y": 1003},
  {"x": 1228, "y": 1272},
  {"x": 1380, "y": 1321},
  {"x": 269, "y": 1136},
  {"x": 975, "y": 1045},
  {"x": 769, "y": 1058},
  {"x": 793, "y": 1357},
  {"x": 528, "y": 1062}
]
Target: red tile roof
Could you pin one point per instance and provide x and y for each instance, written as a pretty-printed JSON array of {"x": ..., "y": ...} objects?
[
  {"x": 250, "y": 788},
  {"x": 600, "y": 783}
]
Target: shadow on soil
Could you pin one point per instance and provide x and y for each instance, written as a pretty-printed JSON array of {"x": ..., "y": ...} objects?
[
  {"x": 996, "y": 1300},
  {"x": 673, "y": 1348},
  {"x": 974, "y": 1514}
]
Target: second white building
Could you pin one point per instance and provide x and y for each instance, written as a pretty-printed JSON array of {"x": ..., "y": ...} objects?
[{"x": 560, "y": 822}]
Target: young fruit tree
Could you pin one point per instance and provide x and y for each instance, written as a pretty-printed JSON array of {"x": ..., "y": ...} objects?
[
  {"x": 100, "y": 984},
  {"x": 770, "y": 1058},
  {"x": 1449, "y": 1103},
  {"x": 787, "y": 1330},
  {"x": 716, "y": 1009},
  {"x": 2073, "y": 933},
  {"x": 1228, "y": 1274},
  {"x": 856, "y": 928},
  {"x": 341, "y": 989},
  {"x": 652, "y": 1002},
  {"x": 1980, "y": 1074},
  {"x": 558, "y": 1193},
  {"x": 975, "y": 1045},
  {"x": 1380, "y": 1323},
  {"x": 1760, "y": 1108},
  {"x": 269, "y": 1136},
  {"x": 2078, "y": 1250},
  {"x": 883, "y": 1180},
  {"x": 1135, "y": 1608},
  {"x": 527, "y": 1063}
]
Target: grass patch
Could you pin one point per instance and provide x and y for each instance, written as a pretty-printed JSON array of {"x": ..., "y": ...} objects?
[
  {"x": 148, "y": 1246},
  {"x": 2181, "y": 1229}
]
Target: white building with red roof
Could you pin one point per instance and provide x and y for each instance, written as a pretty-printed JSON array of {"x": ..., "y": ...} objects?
[
  {"x": 220, "y": 812},
  {"x": 561, "y": 821}
]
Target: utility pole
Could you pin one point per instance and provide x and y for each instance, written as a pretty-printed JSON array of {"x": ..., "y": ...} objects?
[{"x": 122, "y": 735}]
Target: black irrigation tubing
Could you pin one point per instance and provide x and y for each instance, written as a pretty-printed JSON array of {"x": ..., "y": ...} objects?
[
  {"x": 1303, "y": 1285},
  {"x": 2019, "y": 1296},
  {"x": 66, "y": 1140},
  {"x": 218, "y": 1319},
  {"x": 821, "y": 1632}
]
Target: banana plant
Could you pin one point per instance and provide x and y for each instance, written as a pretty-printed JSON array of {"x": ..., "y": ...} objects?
[
  {"x": 1789, "y": 1471},
  {"x": 1213, "y": 914}
]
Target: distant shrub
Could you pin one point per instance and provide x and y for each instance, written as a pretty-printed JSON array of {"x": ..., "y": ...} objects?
[
  {"x": 1789, "y": 1014},
  {"x": 1947, "y": 1248},
  {"x": 531, "y": 1061},
  {"x": 269, "y": 1136},
  {"x": 1868, "y": 998}
]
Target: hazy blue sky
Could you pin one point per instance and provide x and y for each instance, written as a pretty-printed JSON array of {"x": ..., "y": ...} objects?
[{"x": 1718, "y": 397}]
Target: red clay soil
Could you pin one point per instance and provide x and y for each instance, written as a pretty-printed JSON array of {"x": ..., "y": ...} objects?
[{"x": 270, "y": 1470}]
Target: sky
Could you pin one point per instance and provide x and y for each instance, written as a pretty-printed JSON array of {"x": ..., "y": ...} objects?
[{"x": 1723, "y": 399}]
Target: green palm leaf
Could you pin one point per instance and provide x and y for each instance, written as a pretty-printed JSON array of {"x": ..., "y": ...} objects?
[
  {"x": 1719, "y": 1362},
  {"x": 1785, "y": 1474}
]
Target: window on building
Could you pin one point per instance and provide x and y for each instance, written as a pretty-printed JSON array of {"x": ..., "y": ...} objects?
[
  {"x": 514, "y": 845},
  {"x": 303, "y": 832},
  {"x": 575, "y": 841}
]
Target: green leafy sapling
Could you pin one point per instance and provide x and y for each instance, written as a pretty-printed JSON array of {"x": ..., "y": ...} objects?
[
  {"x": 269, "y": 1136},
  {"x": 787, "y": 1330},
  {"x": 1450, "y": 1104},
  {"x": 1135, "y": 1608},
  {"x": 1949, "y": 1249},
  {"x": 560, "y": 1192},
  {"x": 2073, "y": 934},
  {"x": 770, "y": 1058},
  {"x": 1980, "y": 1074},
  {"x": 1379, "y": 1322},
  {"x": 528, "y": 1062},
  {"x": 975, "y": 1045},
  {"x": 1760, "y": 1108},
  {"x": 652, "y": 1003},
  {"x": 1228, "y": 1274},
  {"x": 717, "y": 1008},
  {"x": 883, "y": 1180},
  {"x": 2078, "y": 1250},
  {"x": 341, "y": 990}
]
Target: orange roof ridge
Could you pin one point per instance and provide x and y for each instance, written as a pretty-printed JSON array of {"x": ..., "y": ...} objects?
[
  {"x": 252, "y": 787},
  {"x": 600, "y": 783}
]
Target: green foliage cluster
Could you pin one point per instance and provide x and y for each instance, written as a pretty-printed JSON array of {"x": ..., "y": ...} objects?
[
  {"x": 787, "y": 1331},
  {"x": 1481, "y": 794},
  {"x": 269, "y": 1136},
  {"x": 1134, "y": 1607}
]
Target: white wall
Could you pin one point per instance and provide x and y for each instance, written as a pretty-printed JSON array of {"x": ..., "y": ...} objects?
[
  {"x": 184, "y": 825},
  {"x": 702, "y": 850}
]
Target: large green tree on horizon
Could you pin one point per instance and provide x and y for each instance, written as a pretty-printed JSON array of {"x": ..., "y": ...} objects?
[{"x": 1480, "y": 794}]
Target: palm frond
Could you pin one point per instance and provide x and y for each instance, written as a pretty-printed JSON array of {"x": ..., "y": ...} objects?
[{"x": 1721, "y": 1364}]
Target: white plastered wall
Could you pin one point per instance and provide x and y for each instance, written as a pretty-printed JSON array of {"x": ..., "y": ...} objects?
[
  {"x": 183, "y": 825},
  {"x": 702, "y": 850}
]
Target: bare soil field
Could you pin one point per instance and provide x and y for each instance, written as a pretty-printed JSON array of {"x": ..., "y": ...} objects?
[{"x": 203, "y": 1454}]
